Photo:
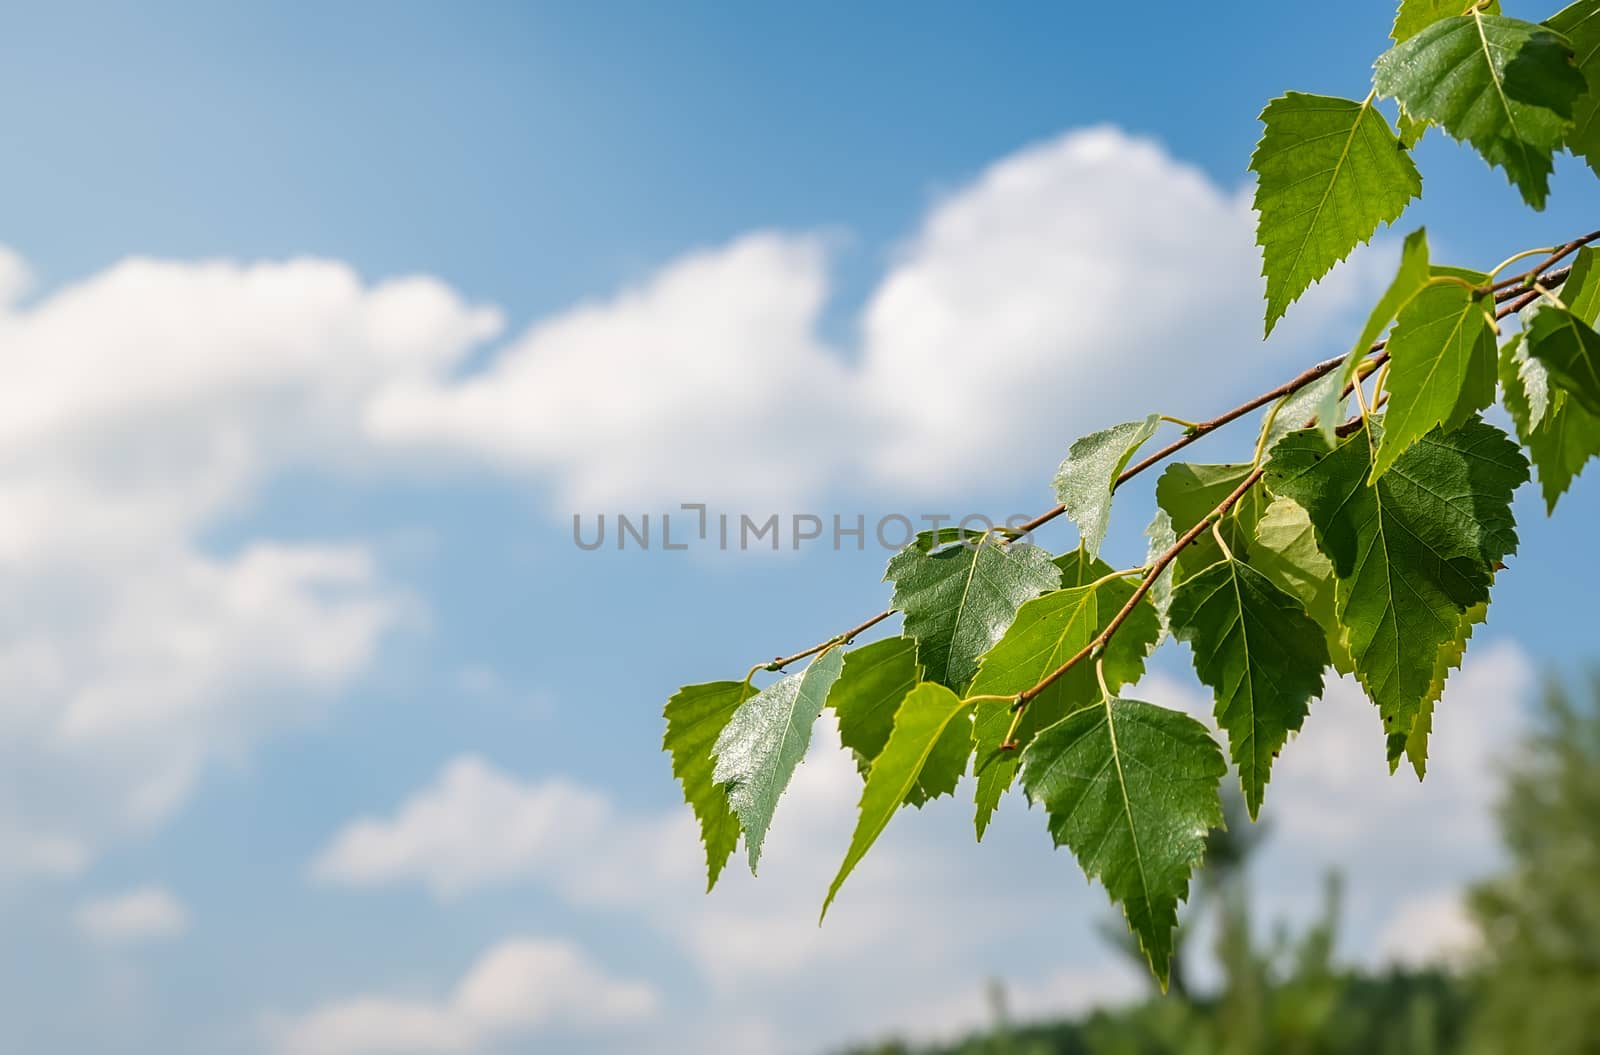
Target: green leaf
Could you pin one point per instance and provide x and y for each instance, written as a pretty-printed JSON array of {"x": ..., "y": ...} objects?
[
  {"x": 959, "y": 600},
  {"x": 1285, "y": 551},
  {"x": 929, "y": 716},
  {"x": 1162, "y": 538},
  {"x": 1049, "y": 631},
  {"x": 874, "y": 680},
  {"x": 1580, "y": 24},
  {"x": 1080, "y": 569},
  {"x": 1086, "y": 479},
  {"x": 1416, "y": 15},
  {"x": 1503, "y": 85},
  {"x": 1570, "y": 351},
  {"x": 1581, "y": 290},
  {"x": 1414, "y": 745},
  {"x": 1261, "y": 655},
  {"x": 1329, "y": 171},
  {"x": 946, "y": 765},
  {"x": 1442, "y": 360},
  {"x": 1132, "y": 789},
  {"x": 695, "y": 715},
  {"x": 1188, "y": 492},
  {"x": 1409, "y": 278},
  {"x": 1559, "y": 434},
  {"x": 758, "y": 750},
  {"x": 930, "y": 540},
  {"x": 1297, "y": 410},
  {"x": 1410, "y": 553},
  {"x": 1409, "y": 130}
]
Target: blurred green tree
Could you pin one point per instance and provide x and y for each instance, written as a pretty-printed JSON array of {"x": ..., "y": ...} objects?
[{"x": 1540, "y": 975}]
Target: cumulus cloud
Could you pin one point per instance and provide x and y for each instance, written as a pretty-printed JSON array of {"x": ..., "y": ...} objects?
[
  {"x": 708, "y": 380},
  {"x": 1332, "y": 787},
  {"x": 1431, "y": 930},
  {"x": 927, "y": 915},
  {"x": 918, "y": 915},
  {"x": 15, "y": 279},
  {"x": 1333, "y": 805},
  {"x": 1332, "y": 790},
  {"x": 149, "y": 404},
  {"x": 1079, "y": 282},
  {"x": 1071, "y": 284},
  {"x": 516, "y": 989},
  {"x": 142, "y": 915},
  {"x": 143, "y": 408},
  {"x": 474, "y": 827}
]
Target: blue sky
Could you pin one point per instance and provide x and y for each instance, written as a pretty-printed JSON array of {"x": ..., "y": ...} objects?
[{"x": 321, "y": 735}]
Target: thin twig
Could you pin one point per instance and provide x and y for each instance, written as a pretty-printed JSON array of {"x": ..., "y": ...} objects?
[
  {"x": 1158, "y": 566},
  {"x": 841, "y": 639}
]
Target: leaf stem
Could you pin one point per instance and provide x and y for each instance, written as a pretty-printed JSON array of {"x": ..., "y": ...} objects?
[
  {"x": 1443, "y": 280},
  {"x": 1526, "y": 278},
  {"x": 1508, "y": 261},
  {"x": 1114, "y": 576},
  {"x": 1377, "y": 386},
  {"x": 1216, "y": 532},
  {"x": 1361, "y": 398},
  {"x": 1266, "y": 429},
  {"x": 1010, "y": 741},
  {"x": 1547, "y": 295}
]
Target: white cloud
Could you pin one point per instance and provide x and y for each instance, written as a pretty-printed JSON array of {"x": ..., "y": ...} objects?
[
  {"x": 15, "y": 279},
  {"x": 1074, "y": 283},
  {"x": 516, "y": 989},
  {"x": 920, "y": 914},
  {"x": 145, "y": 914},
  {"x": 1082, "y": 280},
  {"x": 1331, "y": 792},
  {"x": 1333, "y": 805},
  {"x": 706, "y": 381},
  {"x": 1433, "y": 929},
  {"x": 927, "y": 912},
  {"x": 143, "y": 408},
  {"x": 148, "y": 405},
  {"x": 1086, "y": 280},
  {"x": 1332, "y": 789},
  {"x": 473, "y": 827},
  {"x": 155, "y": 395}
]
